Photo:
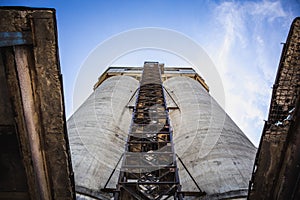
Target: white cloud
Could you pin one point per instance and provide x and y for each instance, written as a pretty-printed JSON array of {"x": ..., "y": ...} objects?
[
  {"x": 245, "y": 47},
  {"x": 267, "y": 9}
]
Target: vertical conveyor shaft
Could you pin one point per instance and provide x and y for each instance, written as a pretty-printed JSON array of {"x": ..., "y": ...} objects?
[{"x": 149, "y": 169}]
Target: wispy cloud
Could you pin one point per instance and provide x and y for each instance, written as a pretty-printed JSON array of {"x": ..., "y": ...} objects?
[
  {"x": 266, "y": 9},
  {"x": 246, "y": 49}
]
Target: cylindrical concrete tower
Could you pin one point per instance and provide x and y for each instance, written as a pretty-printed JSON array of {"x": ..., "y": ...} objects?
[{"x": 213, "y": 153}]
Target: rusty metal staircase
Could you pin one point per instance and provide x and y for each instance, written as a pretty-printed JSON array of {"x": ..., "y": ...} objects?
[{"x": 149, "y": 169}]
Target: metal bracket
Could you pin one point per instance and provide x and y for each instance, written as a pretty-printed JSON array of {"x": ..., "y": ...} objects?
[
  {"x": 186, "y": 169},
  {"x": 15, "y": 38}
]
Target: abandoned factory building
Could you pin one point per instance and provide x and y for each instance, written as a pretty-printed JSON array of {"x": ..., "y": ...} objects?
[{"x": 146, "y": 132}]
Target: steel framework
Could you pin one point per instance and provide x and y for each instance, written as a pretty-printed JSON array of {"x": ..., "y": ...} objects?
[{"x": 149, "y": 169}]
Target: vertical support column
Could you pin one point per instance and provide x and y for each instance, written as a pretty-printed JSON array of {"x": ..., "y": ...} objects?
[
  {"x": 149, "y": 169},
  {"x": 32, "y": 120}
]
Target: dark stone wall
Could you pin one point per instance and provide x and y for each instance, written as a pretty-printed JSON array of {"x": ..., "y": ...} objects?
[
  {"x": 34, "y": 91},
  {"x": 277, "y": 162}
]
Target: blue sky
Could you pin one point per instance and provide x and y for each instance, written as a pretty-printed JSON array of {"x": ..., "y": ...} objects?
[{"x": 241, "y": 37}]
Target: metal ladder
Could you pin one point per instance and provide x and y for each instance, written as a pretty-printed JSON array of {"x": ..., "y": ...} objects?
[{"x": 149, "y": 169}]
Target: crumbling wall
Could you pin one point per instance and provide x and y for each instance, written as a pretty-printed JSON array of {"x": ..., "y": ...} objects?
[
  {"x": 279, "y": 132},
  {"x": 29, "y": 54}
]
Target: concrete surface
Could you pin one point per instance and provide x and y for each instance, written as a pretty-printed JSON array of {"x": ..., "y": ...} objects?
[{"x": 216, "y": 152}]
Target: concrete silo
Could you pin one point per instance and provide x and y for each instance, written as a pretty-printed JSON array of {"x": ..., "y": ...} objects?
[{"x": 213, "y": 159}]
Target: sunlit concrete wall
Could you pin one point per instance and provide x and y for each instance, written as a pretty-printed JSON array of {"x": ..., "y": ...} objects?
[
  {"x": 97, "y": 134},
  {"x": 215, "y": 151}
]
